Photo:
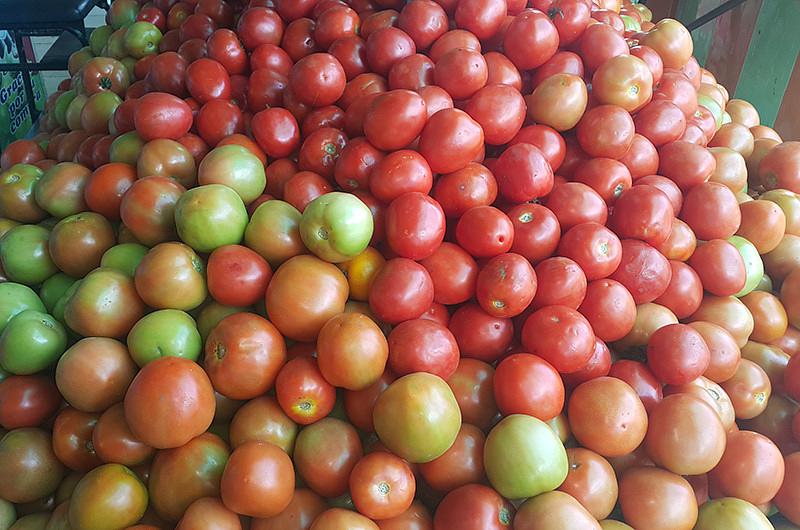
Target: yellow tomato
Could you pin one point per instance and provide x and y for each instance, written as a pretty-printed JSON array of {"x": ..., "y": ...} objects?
[{"x": 360, "y": 272}]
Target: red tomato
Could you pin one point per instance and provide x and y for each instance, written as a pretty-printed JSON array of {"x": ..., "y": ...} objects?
[
  {"x": 506, "y": 285},
  {"x": 276, "y": 132},
  {"x": 402, "y": 290},
  {"x": 686, "y": 164},
  {"x": 641, "y": 158},
  {"x": 271, "y": 57},
  {"x": 609, "y": 308},
  {"x": 474, "y": 507},
  {"x": 480, "y": 335},
  {"x": 217, "y": 120},
  {"x": 207, "y": 79},
  {"x": 598, "y": 365},
  {"x": 461, "y": 72},
  {"x": 404, "y": 109},
  {"x": 265, "y": 89},
  {"x": 515, "y": 395},
  {"x": 610, "y": 178},
  {"x": 224, "y": 47},
  {"x": 536, "y": 231},
  {"x": 386, "y": 46},
  {"x": 645, "y": 213},
  {"x": 561, "y": 282},
  {"x": 237, "y": 276},
  {"x": 27, "y": 401},
  {"x": 398, "y": 173},
  {"x": 106, "y": 187},
  {"x": 351, "y": 52},
  {"x": 720, "y": 267},
  {"x": 317, "y": 80},
  {"x": 320, "y": 150},
  {"x": 530, "y": 40},
  {"x": 457, "y": 192},
  {"x": 595, "y": 248},
  {"x": 641, "y": 379},
  {"x": 599, "y": 43},
  {"x": 424, "y": 22},
  {"x": 259, "y": 25},
  {"x": 485, "y": 231},
  {"x": 606, "y": 130},
  {"x": 677, "y": 354},
  {"x": 559, "y": 335},
  {"x": 450, "y": 140},
  {"x": 522, "y": 173},
  {"x": 422, "y": 345},
  {"x": 356, "y": 163},
  {"x": 382, "y": 485},
  {"x": 302, "y": 392},
  {"x": 643, "y": 270},
  {"x": 160, "y": 115},
  {"x": 712, "y": 211},
  {"x": 574, "y": 203}
]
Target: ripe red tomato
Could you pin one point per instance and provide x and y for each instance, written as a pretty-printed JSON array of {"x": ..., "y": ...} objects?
[
  {"x": 561, "y": 336},
  {"x": 595, "y": 248},
  {"x": 560, "y": 282},
  {"x": 461, "y": 73},
  {"x": 237, "y": 276},
  {"x": 607, "y": 131},
  {"x": 401, "y": 291},
  {"x": 317, "y": 80},
  {"x": 276, "y": 131},
  {"x": 386, "y": 46},
  {"x": 609, "y": 178},
  {"x": 106, "y": 187},
  {"x": 224, "y": 47},
  {"x": 259, "y": 25},
  {"x": 645, "y": 213},
  {"x": 643, "y": 270},
  {"x": 161, "y": 115},
  {"x": 243, "y": 354},
  {"x": 515, "y": 395},
  {"x": 720, "y": 267},
  {"x": 485, "y": 231},
  {"x": 522, "y": 173},
  {"x": 574, "y": 203},
  {"x": 218, "y": 119},
  {"x": 27, "y": 401},
  {"x": 450, "y": 140},
  {"x": 684, "y": 292},
  {"x": 480, "y": 335},
  {"x": 474, "y": 507},
  {"x": 400, "y": 172},
  {"x": 404, "y": 109},
  {"x": 169, "y": 402},
  {"x": 609, "y": 308},
  {"x": 457, "y": 192},
  {"x": 530, "y": 40},
  {"x": 302, "y": 392},
  {"x": 352, "y": 351},
  {"x": 506, "y": 285},
  {"x": 207, "y": 79},
  {"x": 382, "y": 485}
]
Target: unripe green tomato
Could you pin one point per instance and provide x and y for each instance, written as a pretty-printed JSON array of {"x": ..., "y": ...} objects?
[
  {"x": 31, "y": 342},
  {"x": 336, "y": 226}
]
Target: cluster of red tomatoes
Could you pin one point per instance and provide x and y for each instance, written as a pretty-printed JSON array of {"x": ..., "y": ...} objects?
[{"x": 377, "y": 264}]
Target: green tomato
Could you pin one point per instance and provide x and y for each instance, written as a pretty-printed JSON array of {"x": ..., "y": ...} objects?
[
  {"x": 208, "y": 217},
  {"x": 6, "y": 225},
  {"x": 211, "y": 314},
  {"x": 631, "y": 24},
  {"x": 236, "y": 167},
  {"x": 24, "y": 255},
  {"x": 714, "y": 107},
  {"x": 126, "y": 148},
  {"x": 164, "y": 333},
  {"x": 16, "y": 298},
  {"x": 98, "y": 110},
  {"x": 731, "y": 514},
  {"x": 31, "y": 342},
  {"x": 99, "y": 38},
  {"x": 17, "y": 195},
  {"x": 115, "y": 47},
  {"x": 523, "y": 457},
  {"x": 61, "y": 304},
  {"x": 417, "y": 417},
  {"x": 124, "y": 257},
  {"x": 142, "y": 39},
  {"x": 336, "y": 226},
  {"x": 274, "y": 232},
  {"x": 765, "y": 284},
  {"x": 752, "y": 264},
  {"x": 74, "y": 111},
  {"x": 8, "y": 514},
  {"x": 32, "y": 521},
  {"x": 62, "y": 104},
  {"x": 54, "y": 288}
]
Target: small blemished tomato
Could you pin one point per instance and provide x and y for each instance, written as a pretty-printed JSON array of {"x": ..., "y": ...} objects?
[{"x": 336, "y": 226}]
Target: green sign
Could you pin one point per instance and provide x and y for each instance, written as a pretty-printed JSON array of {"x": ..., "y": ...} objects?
[{"x": 15, "y": 117}]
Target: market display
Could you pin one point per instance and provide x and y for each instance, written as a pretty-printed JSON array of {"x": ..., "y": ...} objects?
[{"x": 377, "y": 264}]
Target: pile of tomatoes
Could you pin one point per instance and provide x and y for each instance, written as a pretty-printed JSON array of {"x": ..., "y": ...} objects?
[{"x": 377, "y": 264}]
